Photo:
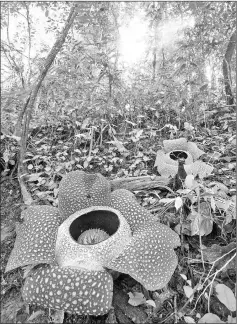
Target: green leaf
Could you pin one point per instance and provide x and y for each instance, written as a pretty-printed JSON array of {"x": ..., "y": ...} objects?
[
  {"x": 226, "y": 296},
  {"x": 189, "y": 181},
  {"x": 210, "y": 318},
  {"x": 188, "y": 292},
  {"x": 203, "y": 87}
]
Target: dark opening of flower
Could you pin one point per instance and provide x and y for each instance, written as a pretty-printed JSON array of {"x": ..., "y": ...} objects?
[
  {"x": 176, "y": 155},
  {"x": 95, "y": 225}
]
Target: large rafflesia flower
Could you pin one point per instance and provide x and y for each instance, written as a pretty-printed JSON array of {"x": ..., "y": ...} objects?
[
  {"x": 74, "y": 247},
  {"x": 167, "y": 158}
]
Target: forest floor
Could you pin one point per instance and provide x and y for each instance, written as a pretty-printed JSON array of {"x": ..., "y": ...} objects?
[{"x": 172, "y": 304}]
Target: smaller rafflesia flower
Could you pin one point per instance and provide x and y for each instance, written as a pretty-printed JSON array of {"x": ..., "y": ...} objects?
[
  {"x": 74, "y": 249},
  {"x": 167, "y": 158}
]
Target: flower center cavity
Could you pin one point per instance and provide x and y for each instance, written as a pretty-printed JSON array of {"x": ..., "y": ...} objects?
[{"x": 92, "y": 236}]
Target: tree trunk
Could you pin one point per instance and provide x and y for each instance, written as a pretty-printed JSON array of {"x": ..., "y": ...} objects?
[
  {"x": 49, "y": 60},
  {"x": 18, "y": 126},
  {"x": 226, "y": 69},
  {"x": 31, "y": 100}
]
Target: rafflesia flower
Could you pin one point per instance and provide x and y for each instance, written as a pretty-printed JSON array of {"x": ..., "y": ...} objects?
[
  {"x": 74, "y": 248},
  {"x": 167, "y": 158}
]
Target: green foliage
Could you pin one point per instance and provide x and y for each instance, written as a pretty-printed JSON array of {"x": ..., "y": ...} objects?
[{"x": 88, "y": 77}]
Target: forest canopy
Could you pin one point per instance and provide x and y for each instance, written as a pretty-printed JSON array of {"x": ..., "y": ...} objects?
[{"x": 119, "y": 60}]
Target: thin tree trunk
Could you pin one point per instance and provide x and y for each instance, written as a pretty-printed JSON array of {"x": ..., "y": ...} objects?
[
  {"x": 31, "y": 100},
  {"x": 226, "y": 69},
  {"x": 154, "y": 62},
  {"x": 49, "y": 60},
  {"x": 18, "y": 126}
]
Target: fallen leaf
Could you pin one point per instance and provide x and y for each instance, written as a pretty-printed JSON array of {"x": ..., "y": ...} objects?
[
  {"x": 10, "y": 309},
  {"x": 183, "y": 276},
  {"x": 17, "y": 138},
  {"x": 166, "y": 200},
  {"x": 34, "y": 177},
  {"x": 231, "y": 320},
  {"x": 226, "y": 296},
  {"x": 232, "y": 166},
  {"x": 178, "y": 203},
  {"x": 119, "y": 145},
  {"x": 214, "y": 252},
  {"x": 210, "y": 318},
  {"x": 6, "y": 231},
  {"x": 151, "y": 303},
  {"x": 27, "y": 270},
  {"x": 188, "y": 292},
  {"x": 189, "y": 319},
  {"x": 136, "y": 298},
  {"x": 221, "y": 203},
  {"x": 35, "y": 315},
  {"x": 58, "y": 316}
]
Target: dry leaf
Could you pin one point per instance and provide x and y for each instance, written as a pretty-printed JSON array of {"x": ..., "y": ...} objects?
[
  {"x": 10, "y": 309},
  {"x": 58, "y": 316},
  {"x": 35, "y": 315},
  {"x": 6, "y": 231},
  {"x": 189, "y": 319}
]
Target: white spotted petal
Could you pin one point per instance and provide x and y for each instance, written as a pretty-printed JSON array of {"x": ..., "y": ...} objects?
[
  {"x": 79, "y": 190},
  {"x": 36, "y": 237},
  {"x": 71, "y": 290},
  {"x": 124, "y": 201},
  {"x": 150, "y": 258}
]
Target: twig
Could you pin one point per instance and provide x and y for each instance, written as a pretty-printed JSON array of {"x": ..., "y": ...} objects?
[
  {"x": 215, "y": 262},
  {"x": 91, "y": 142},
  {"x": 181, "y": 230},
  {"x": 25, "y": 194},
  {"x": 198, "y": 285},
  {"x": 209, "y": 295},
  {"x": 199, "y": 234},
  {"x": 214, "y": 274},
  {"x": 176, "y": 318}
]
